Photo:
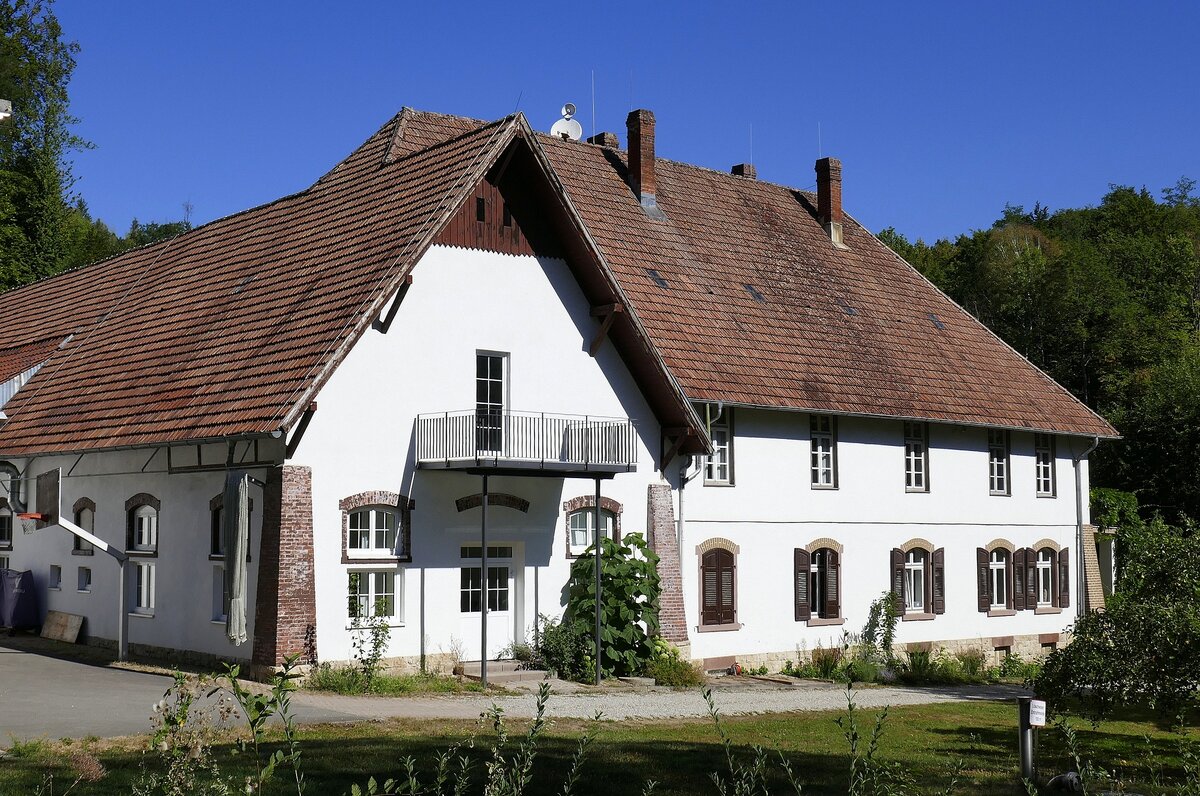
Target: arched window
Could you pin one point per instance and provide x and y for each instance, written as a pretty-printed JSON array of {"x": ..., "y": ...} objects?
[
  {"x": 10, "y": 478},
  {"x": 581, "y": 522},
  {"x": 84, "y": 514},
  {"x": 373, "y": 529},
  {"x": 376, "y": 525},
  {"x": 919, "y": 579},
  {"x": 6, "y": 525},
  {"x": 718, "y": 586},
  {"x": 141, "y": 528},
  {"x": 1045, "y": 577},
  {"x": 824, "y": 577},
  {"x": 915, "y": 582}
]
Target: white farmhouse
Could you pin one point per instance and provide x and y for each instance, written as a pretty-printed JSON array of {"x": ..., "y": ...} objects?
[{"x": 794, "y": 417}]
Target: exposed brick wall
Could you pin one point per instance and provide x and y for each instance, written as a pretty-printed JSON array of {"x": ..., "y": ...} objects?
[
  {"x": 660, "y": 527},
  {"x": 640, "y": 126},
  {"x": 286, "y": 603},
  {"x": 1093, "y": 586},
  {"x": 829, "y": 190}
]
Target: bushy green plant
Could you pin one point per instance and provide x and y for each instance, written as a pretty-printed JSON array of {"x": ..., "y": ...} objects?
[
  {"x": 973, "y": 663},
  {"x": 369, "y": 641},
  {"x": 826, "y": 662},
  {"x": 628, "y": 606},
  {"x": 565, "y": 649},
  {"x": 668, "y": 667},
  {"x": 879, "y": 633},
  {"x": 1015, "y": 667}
]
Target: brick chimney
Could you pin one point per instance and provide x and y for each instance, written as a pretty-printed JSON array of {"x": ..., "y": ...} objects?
[
  {"x": 640, "y": 126},
  {"x": 606, "y": 140},
  {"x": 829, "y": 198},
  {"x": 746, "y": 170}
]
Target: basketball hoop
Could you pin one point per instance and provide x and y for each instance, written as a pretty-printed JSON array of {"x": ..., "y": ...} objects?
[{"x": 29, "y": 523}]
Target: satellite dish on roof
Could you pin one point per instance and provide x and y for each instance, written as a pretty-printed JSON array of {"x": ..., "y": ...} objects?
[{"x": 567, "y": 127}]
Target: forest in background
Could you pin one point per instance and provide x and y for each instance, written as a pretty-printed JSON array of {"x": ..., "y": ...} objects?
[{"x": 1105, "y": 299}]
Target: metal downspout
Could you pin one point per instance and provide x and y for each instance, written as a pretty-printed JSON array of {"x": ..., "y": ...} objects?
[{"x": 1080, "y": 573}]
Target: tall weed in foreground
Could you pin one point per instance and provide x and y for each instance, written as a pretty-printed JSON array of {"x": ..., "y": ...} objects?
[{"x": 870, "y": 776}]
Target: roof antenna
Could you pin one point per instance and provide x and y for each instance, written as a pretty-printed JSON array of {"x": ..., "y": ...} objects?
[
  {"x": 631, "y": 89},
  {"x": 751, "y": 143},
  {"x": 593, "y": 103},
  {"x": 818, "y": 139},
  {"x": 518, "y": 105}
]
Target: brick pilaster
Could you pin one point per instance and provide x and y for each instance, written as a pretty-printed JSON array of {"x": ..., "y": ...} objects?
[
  {"x": 660, "y": 527},
  {"x": 285, "y": 613}
]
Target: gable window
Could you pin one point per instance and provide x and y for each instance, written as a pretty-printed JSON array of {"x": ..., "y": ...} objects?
[
  {"x": 376, "y": 525},
  {"x": 85, "y": 517},
  {"x": 823, "y": 441},
  {"x": 141, "y": 528},
  {"x": 490, "y": 372},
  {"x": 998, "y": 462},
  {"x": 718, "y": 468},
  {"x": 1043, "y": 451},
  {"x": 143, "y": 588},
  {"x": 372, "y": 593},
  {"x": 718, "y": 587},
  {"x": 916, "y": 457}
]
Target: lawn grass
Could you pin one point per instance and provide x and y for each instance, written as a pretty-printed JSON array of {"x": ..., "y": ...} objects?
[
  {"x": 350, "y": 680},
  {"x": 679, "y": 754}
]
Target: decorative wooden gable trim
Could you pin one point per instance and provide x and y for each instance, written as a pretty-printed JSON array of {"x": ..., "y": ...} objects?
[{"x": 488, "y": 221}]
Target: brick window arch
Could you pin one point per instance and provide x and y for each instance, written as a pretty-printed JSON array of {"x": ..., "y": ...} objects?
[
  {"x": 376, "y": 526},
  {"x": 580, "y": 524},
  {"x": 718, "y": 587}
]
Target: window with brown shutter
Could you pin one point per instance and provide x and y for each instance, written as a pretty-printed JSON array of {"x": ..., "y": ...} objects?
[
  {"x": 984, "y": 576},
  {"x": 1018, "y": 578},
  {"x": 897, "y": 576},
  {"x": 803, "y": 613},
  {"x": 1064, "y": 579},
  {"x": 1031, "y": 583},
  {"x": 718, "y": 600},
  {"x": 939, "y": 580},
  {"x": 832, "y": 602}
]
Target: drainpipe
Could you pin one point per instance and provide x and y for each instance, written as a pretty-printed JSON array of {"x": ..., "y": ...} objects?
[{"x": 1080, "y": 575}]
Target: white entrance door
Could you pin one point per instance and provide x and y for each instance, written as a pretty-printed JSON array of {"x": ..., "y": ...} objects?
[{"x": 502, "y": 588}]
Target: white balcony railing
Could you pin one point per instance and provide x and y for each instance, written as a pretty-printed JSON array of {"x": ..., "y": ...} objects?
[{"x": 526, "y": 440}]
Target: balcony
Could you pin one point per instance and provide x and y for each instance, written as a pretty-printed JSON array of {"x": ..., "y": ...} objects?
[{"x": 526, "y": 441}]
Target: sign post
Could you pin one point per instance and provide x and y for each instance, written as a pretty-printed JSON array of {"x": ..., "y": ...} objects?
[{"x": 1031, "y": 713}]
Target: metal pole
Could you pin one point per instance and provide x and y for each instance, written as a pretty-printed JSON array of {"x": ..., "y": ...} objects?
[
  {"x": 123, "y": 618},
  {"x": 599, "y": 537},
  {"x": 1025, "y": 738},
  {"x": 484, "y": 583}
]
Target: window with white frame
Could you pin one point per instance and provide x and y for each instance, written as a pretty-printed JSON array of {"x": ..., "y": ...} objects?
[
  {"x": 490, "y": 377},
  {"x": 998, "y": 462},
  {"x": 1045, "y": 577},
  {"x": 1043, "y": 451},
  {"x": 55, "y": 577},
  {"x": 824, "y": 596},
  {"x": 6, "y": 528},
  {"x": 373, "y": 530},
  {"x": 471, "y": 584},
  {"x": 141, "y": 528},
  {"x": 718, "y": 467},
  {"x": 998, "y": 580},
  {"x": 916, "y": 457},
  {"x": 85, "y": 579},
  {"x": 143, "y": 588},
  {"x": 916, "y": 563},
  {"x": 85, "y": 517},
  {"x": 372, "y": 593},
  {"x": 823, "y": 441},
  {"x": 3, "y": 562},
  {"x": 582, "y": 525}
]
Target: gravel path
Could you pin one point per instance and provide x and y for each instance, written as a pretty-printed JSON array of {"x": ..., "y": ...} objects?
[{"x": 743, "y": 698}]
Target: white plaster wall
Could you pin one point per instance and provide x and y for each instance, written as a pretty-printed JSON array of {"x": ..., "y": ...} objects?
[
  {"x": 771, "y": 510},
  {"x": 361, "y": 437},
  {"x": 182, "y": 617}
]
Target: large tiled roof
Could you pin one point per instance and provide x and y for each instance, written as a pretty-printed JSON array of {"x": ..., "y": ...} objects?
[{"x": 230, "y": 329}]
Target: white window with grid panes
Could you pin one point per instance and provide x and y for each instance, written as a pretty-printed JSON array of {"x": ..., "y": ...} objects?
[
  {"x": 916, "y": 457},
  {"x": 471, "y": 583},
  {"x": 998, "y": 572},
  {"x": 1043, "y": 453},
  {"x": 718, "y": 467},
  {"x": 1045, "y": 577},
  {"x": 915, "y": 564},
  {"x": 823, "y": 444},
  {"x": 998, "y": 462},
  {"x": 373, "y": 593},
  {"x": 145, "y": 529},
  {"x": 373, "y": 531},
  {"x": 583, "y": 528},
  {"x": 6, "y": 529},
  {"x": 143, "y": 588}
]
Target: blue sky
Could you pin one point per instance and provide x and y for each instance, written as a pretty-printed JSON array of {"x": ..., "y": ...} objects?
[{"x": 940, "y": 111}]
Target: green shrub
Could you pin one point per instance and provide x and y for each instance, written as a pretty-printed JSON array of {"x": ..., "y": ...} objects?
[
  {"x": 674, "y": 672},
  {"x": 1015, "y": 667},
  {"x": 565, "y": 649},
  {"x": 862, "y": 670},
  {"x": 880, "y": 630},
  {"x": 827, "y": 662},
  {"x": 973, "y": 663},
  {"x": 921, "y": 665}
]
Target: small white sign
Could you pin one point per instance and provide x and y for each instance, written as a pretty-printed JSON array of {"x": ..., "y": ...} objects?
[{"x": 1037, "y": 713}]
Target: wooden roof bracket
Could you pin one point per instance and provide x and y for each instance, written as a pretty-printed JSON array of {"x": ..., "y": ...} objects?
[
  {"x": 607, "y": 314},
  {"x": 672, "y": 441},
  {"x": 305, "y": 419},
  {"x": 386, "y": 322}
]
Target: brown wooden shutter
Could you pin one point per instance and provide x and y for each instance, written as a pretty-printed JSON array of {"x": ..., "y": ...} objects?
[
  {"x": 129, "y": 528},
  {"x": 1031, "y": 584},
  {"x": 898, "y": 578},
  {"x": 1054, "y": 581},
  {"x": 803, "y": 564},
  {"x": 939, "y": 581},
  {"x": 728, "y": 609},
  {"x": 833, "y": 584},
  {"x": 1064, "y": 579},
  {"x": 710, "y": 599},
  {"x": 985, "y": 581},
  {"x": 1016, "y": 580}
]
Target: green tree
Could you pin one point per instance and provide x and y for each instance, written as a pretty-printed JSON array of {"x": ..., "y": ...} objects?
[{"x": 35, "y": 177}]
